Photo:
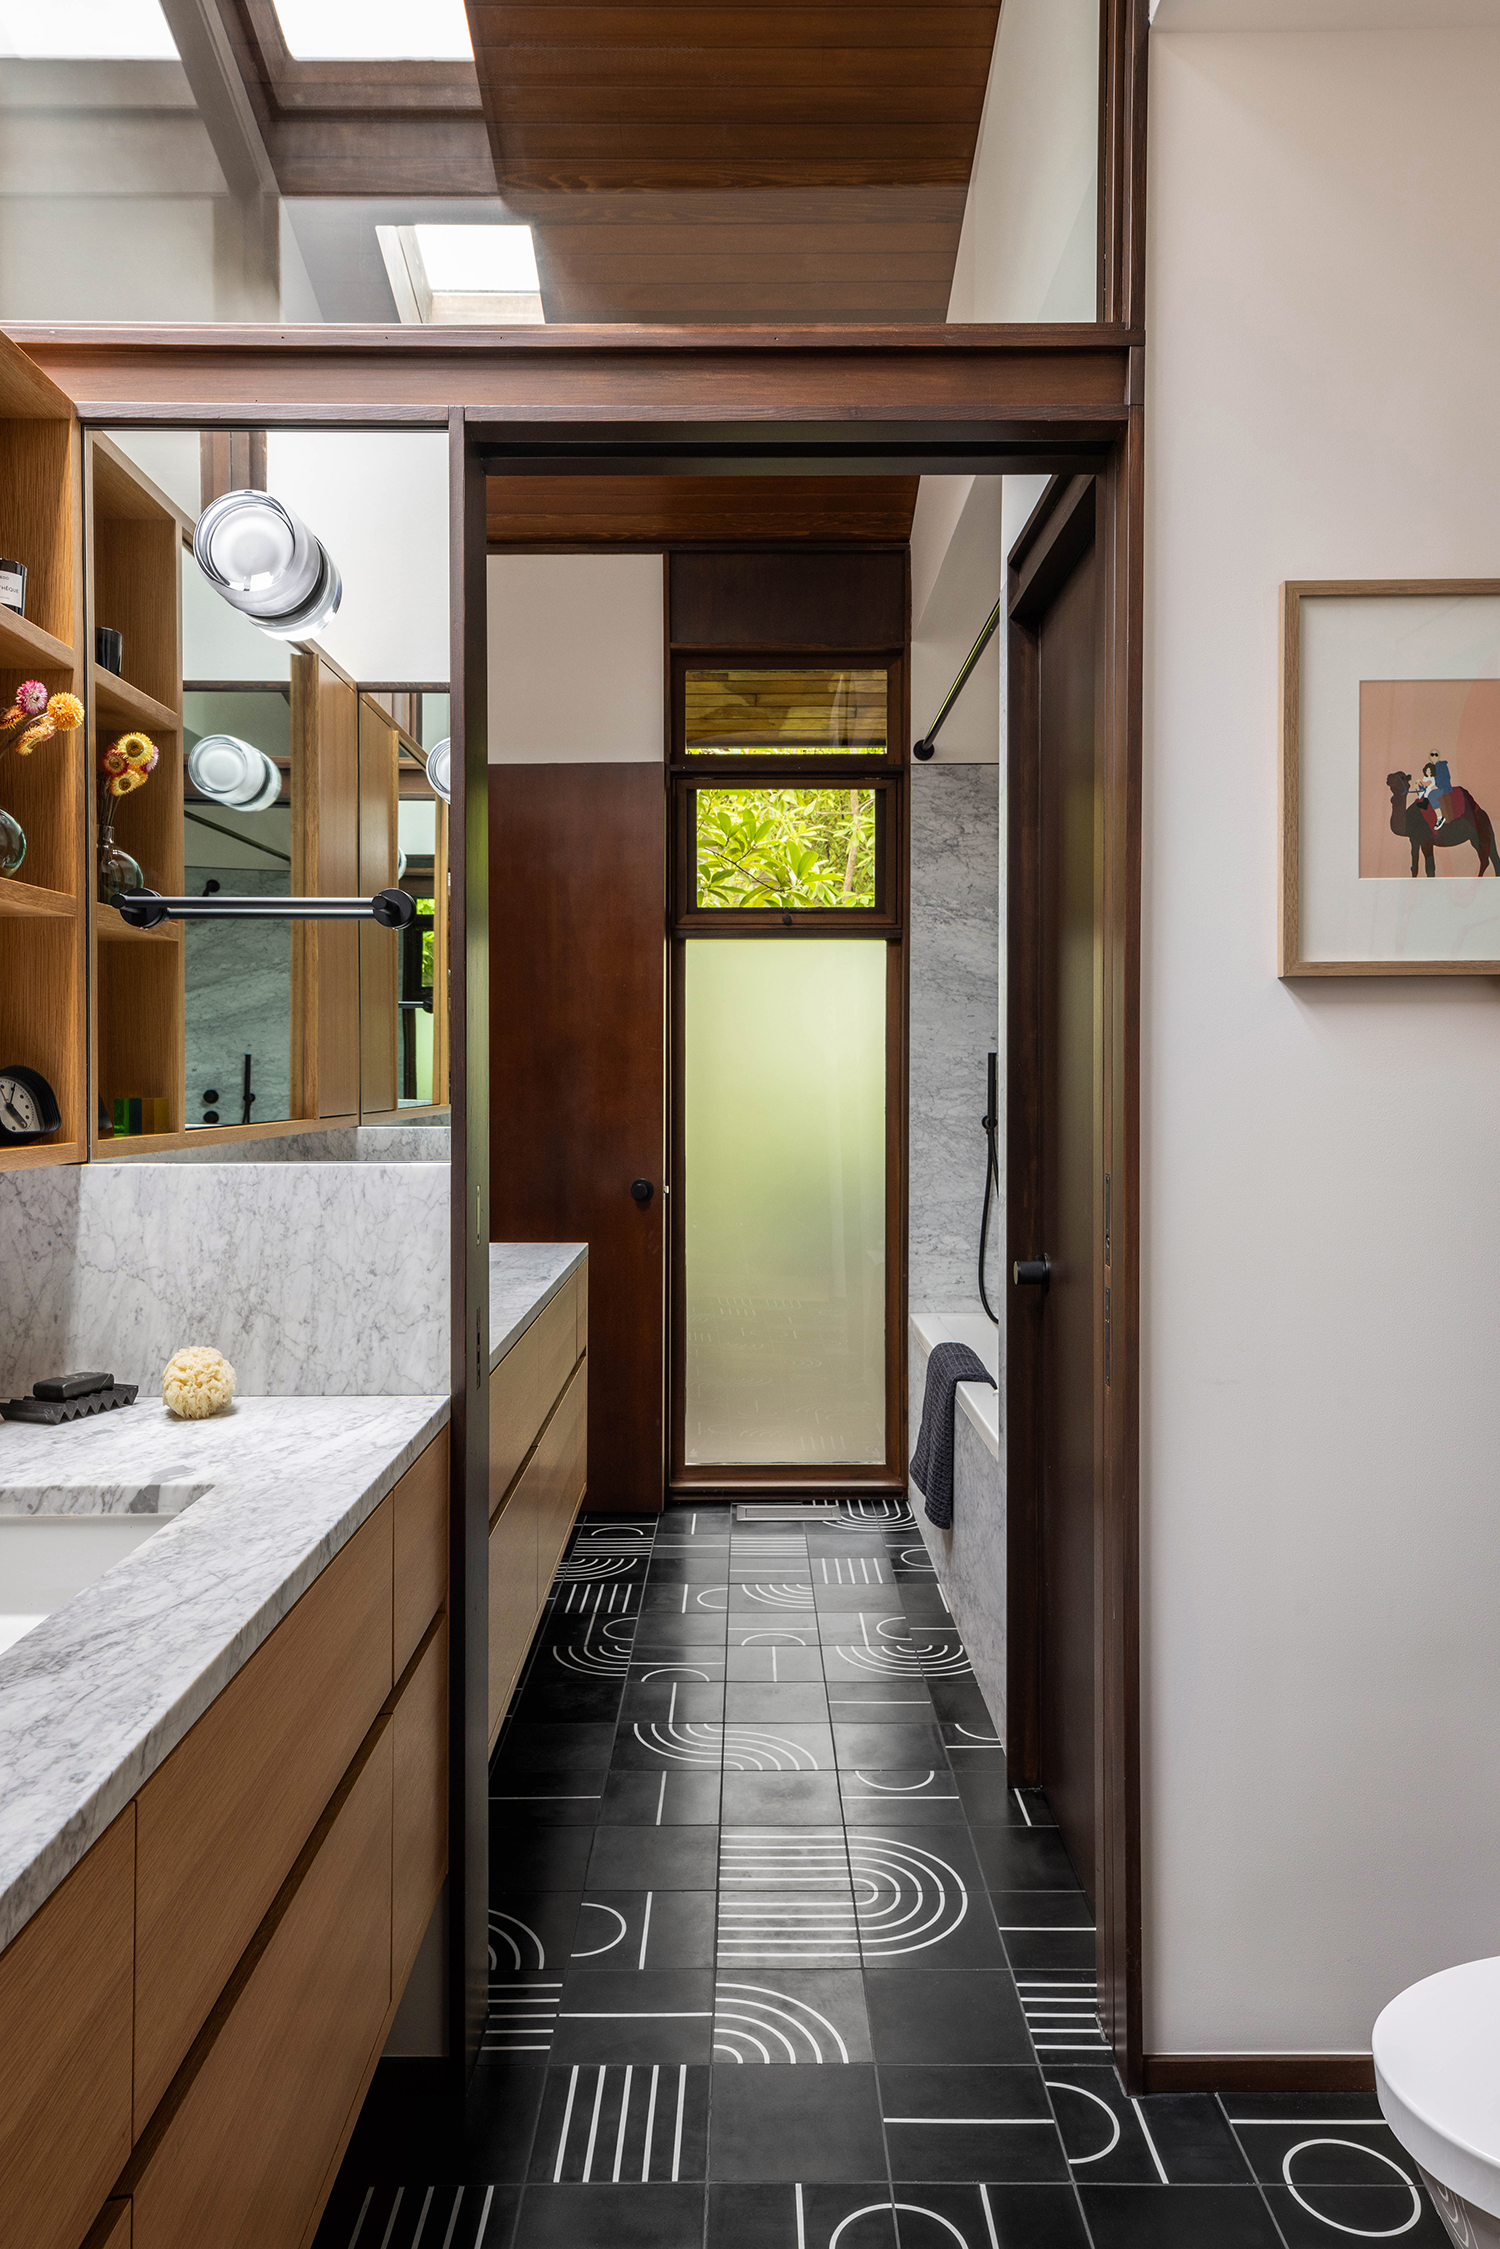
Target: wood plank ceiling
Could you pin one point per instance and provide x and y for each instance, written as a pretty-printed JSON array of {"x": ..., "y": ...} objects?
[
  {"x": 705, "y": 163},
  {"x": 737, "y": 163}
]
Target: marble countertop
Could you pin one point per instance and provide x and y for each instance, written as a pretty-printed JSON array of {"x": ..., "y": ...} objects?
[
  {"x": 524, "y": 1278},
  {"x": 255, "y": 1503}
]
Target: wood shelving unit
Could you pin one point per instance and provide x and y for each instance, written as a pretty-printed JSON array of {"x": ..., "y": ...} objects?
[
  {"x": 43, "y": 999},
  {"x": 134, "y": 583}
]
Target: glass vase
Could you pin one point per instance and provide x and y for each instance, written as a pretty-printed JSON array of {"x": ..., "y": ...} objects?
[
  {"x": 12, "y": 843},
  {"x": 117, "y": 870}
]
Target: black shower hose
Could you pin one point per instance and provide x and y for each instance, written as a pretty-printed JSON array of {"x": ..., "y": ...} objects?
[{"x": 991, "y": 1190}]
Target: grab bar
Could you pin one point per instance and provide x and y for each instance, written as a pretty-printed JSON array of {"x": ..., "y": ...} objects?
[
  {"x": 147, "y": 909},
  {"x": 927, "y": 747}
]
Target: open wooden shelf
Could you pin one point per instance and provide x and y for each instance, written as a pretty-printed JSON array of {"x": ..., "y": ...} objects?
[
  {"x": 28, "y": 646},
  {"x": 134, "y": 583},
  {"x": 43, "y": 1008},
  {"x": 28, "y": 901},
  {"x": 111, "y": 928},
  {"x": 124, "y": 707}
]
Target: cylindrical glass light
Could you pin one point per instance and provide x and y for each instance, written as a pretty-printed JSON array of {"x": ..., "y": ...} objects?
[{"x": 263, "y": 560}]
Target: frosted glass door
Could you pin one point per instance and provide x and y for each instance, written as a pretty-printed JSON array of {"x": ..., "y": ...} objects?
[{"x": 784, "y": 1180}]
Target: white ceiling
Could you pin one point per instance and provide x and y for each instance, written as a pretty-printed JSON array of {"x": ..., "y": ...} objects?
[{"x": 1322, "y": 15}]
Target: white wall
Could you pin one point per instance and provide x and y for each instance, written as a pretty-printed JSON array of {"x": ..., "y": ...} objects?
[
  {"x": 1028, "y": 250},
  {"x": 956, "y": 573},
  {"x": 1321, "y": 1465},
  {"x": 577, "y": 669}
]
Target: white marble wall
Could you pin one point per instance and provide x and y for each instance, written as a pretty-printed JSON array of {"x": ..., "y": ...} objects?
[
  {"x": 314, "y": 1280},
  {"x": 955, "y": 1012}
]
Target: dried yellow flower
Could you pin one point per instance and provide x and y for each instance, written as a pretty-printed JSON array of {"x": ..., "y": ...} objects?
[{"x": 197, "y": 1382}]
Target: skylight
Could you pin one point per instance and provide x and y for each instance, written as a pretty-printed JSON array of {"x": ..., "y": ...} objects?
[
  {"x": 86, "y": 31},
  {"x": 475, "y": 261},
  {"x": 375, "y": 30}
]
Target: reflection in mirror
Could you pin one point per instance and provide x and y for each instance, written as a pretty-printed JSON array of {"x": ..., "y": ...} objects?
[
  {"x": 237, "y": 838},
  {"x": 291, "y": 763},
  {"x": 403, "y": 842}
]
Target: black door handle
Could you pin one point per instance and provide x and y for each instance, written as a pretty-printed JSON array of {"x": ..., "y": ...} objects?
[
  {"x": 1032, "y": 1272},
  {"x": 641, "y": 1190}
]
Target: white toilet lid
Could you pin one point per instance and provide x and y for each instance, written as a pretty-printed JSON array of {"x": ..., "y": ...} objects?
[{"x": 1437, "y": 2071}]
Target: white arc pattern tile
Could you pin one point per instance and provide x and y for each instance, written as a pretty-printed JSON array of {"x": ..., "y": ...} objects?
[
  {"x": 906, "y": 1899},
  {"x": 601, "y": 1650},
  {"x": 755, "y": 2022}
]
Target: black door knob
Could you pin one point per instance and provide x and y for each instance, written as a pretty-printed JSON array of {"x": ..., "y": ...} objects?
[
  {"x": 641, "y": 1190},
  {"x": 1033, "y": 1272}
]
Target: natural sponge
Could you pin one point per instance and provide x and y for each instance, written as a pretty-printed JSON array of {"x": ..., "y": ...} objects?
[{"x": 196, "y": 1383}]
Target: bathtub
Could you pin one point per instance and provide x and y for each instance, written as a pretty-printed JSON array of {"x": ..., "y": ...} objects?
[{"x": 970, "y": 1558}]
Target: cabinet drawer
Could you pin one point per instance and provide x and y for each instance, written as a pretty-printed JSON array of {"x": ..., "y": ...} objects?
[
  {"x": 65, "y": 2049},
  {"x": 221, "y": 1824},
  {"x": 581, "y": 1283},
  {"x": 525, "y": 1383},
  {"x": 419, "y": 1550},
  {"x": 563, "y": 1454},
  {"x": 513, "y": 1594},
  {"x": 419, "y": 1811},
  {"x": 241, "y": 2150}
]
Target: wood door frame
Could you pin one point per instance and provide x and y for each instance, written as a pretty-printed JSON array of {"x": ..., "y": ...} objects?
[
  {"x": 1075, "y": 516},
  {"x": 1067, "y": 400}
]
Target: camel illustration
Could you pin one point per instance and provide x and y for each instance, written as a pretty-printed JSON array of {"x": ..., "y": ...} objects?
[{"x": 1466, "y": 822}]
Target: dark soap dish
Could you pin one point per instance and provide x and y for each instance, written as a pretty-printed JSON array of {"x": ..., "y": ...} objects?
[{"x": 69, "y": 1397}]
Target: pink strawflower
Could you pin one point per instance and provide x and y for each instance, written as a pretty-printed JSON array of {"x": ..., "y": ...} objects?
[{"x": 31, "y": 697}]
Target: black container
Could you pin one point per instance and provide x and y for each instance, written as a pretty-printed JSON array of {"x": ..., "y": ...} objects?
[
  {"x": 109, "y": 649},
  {"x": 13, "y": 586}
]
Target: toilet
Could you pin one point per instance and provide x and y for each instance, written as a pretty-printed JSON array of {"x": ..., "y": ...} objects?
[{"x": 1437, "y": 2072}]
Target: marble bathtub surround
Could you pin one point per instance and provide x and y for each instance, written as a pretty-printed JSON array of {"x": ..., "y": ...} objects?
[
  {"x": 955, "y": 1012},
  {"x": 970, "y": 1559},
  {"x": 255, "y": 1501},
  {"x": 314, "y": 1280}
]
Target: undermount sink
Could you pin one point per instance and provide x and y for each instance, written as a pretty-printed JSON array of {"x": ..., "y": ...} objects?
[{"x": 57, "y": 1538}]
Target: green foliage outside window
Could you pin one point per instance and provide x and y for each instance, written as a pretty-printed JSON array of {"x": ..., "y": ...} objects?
[{"x": 786, "y": 848}]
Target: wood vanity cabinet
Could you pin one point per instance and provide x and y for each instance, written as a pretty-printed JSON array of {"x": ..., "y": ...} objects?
[
  {"x": 538, "y": 1474},
  {"x": 65, "y": 2049},
  {"x": 239, "y": 1939}
]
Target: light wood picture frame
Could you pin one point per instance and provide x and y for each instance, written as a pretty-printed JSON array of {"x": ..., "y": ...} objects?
[{"x": 1405, "y": 673}]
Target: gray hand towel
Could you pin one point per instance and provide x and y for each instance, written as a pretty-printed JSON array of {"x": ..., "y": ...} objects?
[{"x": 932, "y": 1462}]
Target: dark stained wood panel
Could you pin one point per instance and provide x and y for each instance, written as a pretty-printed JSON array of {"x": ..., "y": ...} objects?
[
  {"x": 577, "y": 1075},
  {"x": 700, "y": 99},
  {"x": 726, "y": 601},
  {"x": 871, "y": 253},
  {"x": 664, "y": 511}
]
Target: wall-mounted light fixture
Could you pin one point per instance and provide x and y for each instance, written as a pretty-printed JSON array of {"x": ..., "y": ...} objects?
[
  {"x": 265, "y": 562},
  {"x": 228, "y": 771},
  {"x": 439, "y": 770}
]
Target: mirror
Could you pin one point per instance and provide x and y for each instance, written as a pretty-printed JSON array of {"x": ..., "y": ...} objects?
[{"x": 285, "y": 769}]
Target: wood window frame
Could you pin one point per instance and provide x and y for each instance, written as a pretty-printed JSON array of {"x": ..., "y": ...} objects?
[{"x": 887, "y": 772}]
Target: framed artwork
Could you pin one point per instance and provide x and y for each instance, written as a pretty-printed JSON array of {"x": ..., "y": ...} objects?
[{"x": 1390, "y": 778}]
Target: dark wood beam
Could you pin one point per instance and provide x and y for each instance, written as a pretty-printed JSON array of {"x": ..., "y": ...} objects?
[{"x": 850, "y": 391}]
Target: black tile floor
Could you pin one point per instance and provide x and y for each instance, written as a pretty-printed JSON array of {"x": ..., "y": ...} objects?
[{"x": 781, "y": 1961}]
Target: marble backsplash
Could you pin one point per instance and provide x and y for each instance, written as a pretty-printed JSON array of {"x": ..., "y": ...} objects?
[
  {"x": 332, "y": 1144},
  {"x": 955, "y": 1012},
  {"x": 314, "y": 1279}
]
